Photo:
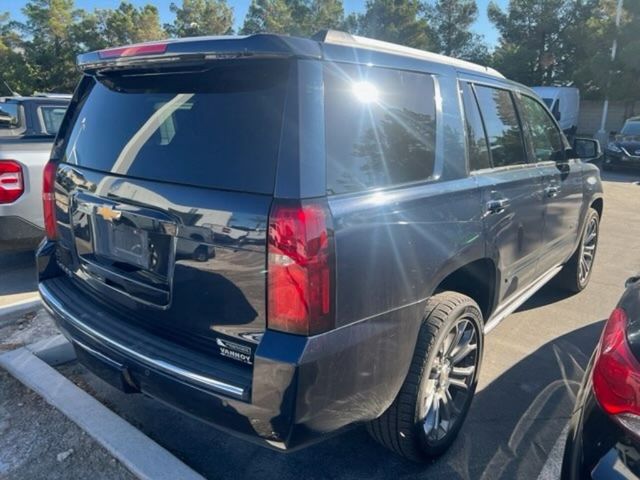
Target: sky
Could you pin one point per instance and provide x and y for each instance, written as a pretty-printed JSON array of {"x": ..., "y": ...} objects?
[{"x": 482, "y": 25}]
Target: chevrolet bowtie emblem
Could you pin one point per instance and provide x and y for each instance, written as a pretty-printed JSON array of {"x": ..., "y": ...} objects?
[{"x": 109, "y": 213}]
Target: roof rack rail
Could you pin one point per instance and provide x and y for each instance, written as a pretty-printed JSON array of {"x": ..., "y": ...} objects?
[
  {"x": 51, "y": 95},
  {"x": 337, "y": 37}
]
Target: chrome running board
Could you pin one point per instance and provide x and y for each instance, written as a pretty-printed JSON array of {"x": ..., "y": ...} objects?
[{"x": 513, "y": 304}]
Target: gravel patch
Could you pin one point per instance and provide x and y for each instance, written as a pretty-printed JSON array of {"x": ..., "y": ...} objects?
[
  {"x": 38, "y": 442},
  {"x": 25, "y": 328}
]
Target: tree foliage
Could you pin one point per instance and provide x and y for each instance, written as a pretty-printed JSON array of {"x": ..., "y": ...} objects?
[
  {"x": 201, "y": 17},
  {"x": 450, "y": 22},
  {"x": 398, "y": 21},
  {"x": 569, "y": 42},
  {"x": 295, "y": 17},
  {"x": 541, "y": 42}
]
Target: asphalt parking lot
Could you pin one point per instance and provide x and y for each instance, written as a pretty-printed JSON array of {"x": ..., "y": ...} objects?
[{"x": 532, "y": 367}]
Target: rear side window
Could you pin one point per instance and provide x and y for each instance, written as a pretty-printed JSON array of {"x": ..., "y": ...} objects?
[
  {"x": 52, "y": 116},
  {"x": 11, "y": 119},
  {"x": 217, "y": 128},
  {"x": 476, "y": 139},
  {"x": 545, "y": 137},
  {"x": 502, "y": 126},
  {"x": 380, "y": 127}
]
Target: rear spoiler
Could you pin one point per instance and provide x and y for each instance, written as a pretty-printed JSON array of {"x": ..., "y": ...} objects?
[{"x": 169, "y": 52}]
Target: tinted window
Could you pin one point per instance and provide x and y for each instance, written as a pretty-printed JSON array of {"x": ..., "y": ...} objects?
[
  {"x": 476, "y": 140},
  {"x": 52, "y": 118},
  {"x": 380, "y": 127},
  {"x": 545, "y": 136},
  {"x": 11, "y": 122},
  {"x": 503, "y": 128},
  {"x": 217, "y": 128},
  {"x": 631, "y": 128}
]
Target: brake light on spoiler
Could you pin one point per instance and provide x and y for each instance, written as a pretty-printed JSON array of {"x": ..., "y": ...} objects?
[{"x": 133, "y": 50}]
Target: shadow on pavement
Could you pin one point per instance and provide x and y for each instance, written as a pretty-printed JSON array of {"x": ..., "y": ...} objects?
[
  {"x": 513, "y": 424},
  {"x": 621, "y": 175},
  {"x": 17, "y": 273},
  {"x": 547, "y": 295}
]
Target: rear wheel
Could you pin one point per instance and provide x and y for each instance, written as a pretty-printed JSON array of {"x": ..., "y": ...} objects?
[
  {"x": 426, "y": 416},
  {"x": 575, "y": 275}
]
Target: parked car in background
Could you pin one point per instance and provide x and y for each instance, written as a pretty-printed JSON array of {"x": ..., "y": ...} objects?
[
  {"x": 28, "y": 126},
  {"x": 604, "y": 434},
  {"x": 564, "y": 103},
  {"x": 624, "y": 148},
  {"x": 411, "y": 202}
]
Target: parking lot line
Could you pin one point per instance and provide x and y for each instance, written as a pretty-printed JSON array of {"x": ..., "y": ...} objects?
[
  {"x": 552, "y": 467},
  {"x": 137, "y": 452}
]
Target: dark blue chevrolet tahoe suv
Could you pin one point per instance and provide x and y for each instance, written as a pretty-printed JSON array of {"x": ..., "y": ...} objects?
[{"x": 285, "y": 236}]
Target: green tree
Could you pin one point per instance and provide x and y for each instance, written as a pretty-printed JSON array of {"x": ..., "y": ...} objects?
[
  {"x": 14, "y": 71},
  {"x": 201, "y": 17},
  {"x": 129, "y": 24},
  {"x": 272, "y": 16},
  {"x": 533, "y": 46},
  {"x": 594, "y": 72},
  {"x": 450, "y": 22},
  {"x": 312, "y": 16},
  {"x": 294, "y": 17},
  {"x": 50, "y": 51},
  {"x": 398, "y": 21}
]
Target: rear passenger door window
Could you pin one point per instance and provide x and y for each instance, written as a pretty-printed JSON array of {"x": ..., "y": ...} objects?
[
  {"x": 476, "y": 138},
  {"x": 502, "y": 126},
  {"x": 546, "y": 139},
  {"x": 51, "y": 118},
  {"x": 380, "y": 127}
]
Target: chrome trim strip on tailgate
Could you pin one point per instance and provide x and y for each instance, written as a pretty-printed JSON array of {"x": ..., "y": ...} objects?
[{"x": 56, "y": 308}]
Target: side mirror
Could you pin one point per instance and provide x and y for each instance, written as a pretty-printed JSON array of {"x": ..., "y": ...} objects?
[
  {"x": 631, "y": 280},
  {"x": 586, "y": 148}
]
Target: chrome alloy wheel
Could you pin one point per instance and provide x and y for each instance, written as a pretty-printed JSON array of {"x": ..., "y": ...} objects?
[
  {"x": 447, "y": 388},
  {"x": 588, "y": 250}
]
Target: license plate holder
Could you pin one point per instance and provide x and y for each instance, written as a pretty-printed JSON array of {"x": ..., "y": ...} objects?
[{"x": 122, "y": 243}]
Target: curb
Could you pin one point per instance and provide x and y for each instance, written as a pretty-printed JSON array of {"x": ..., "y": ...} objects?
[
  {"x": 19, "y": 307},
  {"x": 138, "y": 453}
]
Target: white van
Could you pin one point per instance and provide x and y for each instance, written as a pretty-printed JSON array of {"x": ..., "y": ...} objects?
[{"x": 564, "y": 103}]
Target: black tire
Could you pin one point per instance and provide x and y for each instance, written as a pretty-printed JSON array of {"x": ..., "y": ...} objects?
[
  {"x": 571, "y": 277},
  {"x": 402, "y": 428},
  {"x": 201, "y": 254}
]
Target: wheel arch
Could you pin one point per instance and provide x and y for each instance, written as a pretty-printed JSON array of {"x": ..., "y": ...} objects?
[
  {"x": 475, "y": 279},
  {"x": 598, "y": 205}
]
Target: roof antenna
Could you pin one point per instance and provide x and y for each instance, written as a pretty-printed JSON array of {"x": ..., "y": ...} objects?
[{"x": 11, "y": 92}]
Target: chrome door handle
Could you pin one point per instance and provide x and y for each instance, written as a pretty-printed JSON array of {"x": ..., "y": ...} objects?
[
  {"x": 552, "y": 191},
  {"x": 497, "y": 206}
]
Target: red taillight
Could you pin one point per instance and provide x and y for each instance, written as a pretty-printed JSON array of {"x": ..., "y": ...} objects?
[
  {"x": 133, "y": 50},
  {"x": 616, "y": 373},
  {"x": 49, "y": 200},
  {"x": 300, "y": 268},
  {"x": 11, "y": 181}
]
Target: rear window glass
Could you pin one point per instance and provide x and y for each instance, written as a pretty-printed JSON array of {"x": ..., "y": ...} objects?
[
  {"x": 52, "y": 116},
  {"x": 217, "y": 128},
  {"x": 11, "y": 119},
  {"x": 380, "y": 127}
]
